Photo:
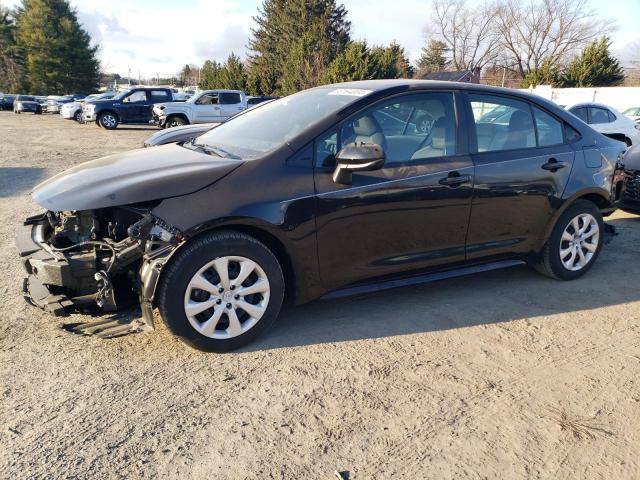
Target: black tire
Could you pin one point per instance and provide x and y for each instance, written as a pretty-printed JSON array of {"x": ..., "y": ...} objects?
[
  {"x": 192, "y": 257},
  {"x": 108, "y": 120},
  {"x": 39, "y": 111},
  {"x": 549, "y": 262},
  {"x": 78, "y": 116},
  {"x": 175, "y": 121}
]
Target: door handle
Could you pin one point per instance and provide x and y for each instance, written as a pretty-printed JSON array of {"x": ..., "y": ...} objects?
[
  {"x": 553, "y": 165},
  {"x": 454, "y": 179}
]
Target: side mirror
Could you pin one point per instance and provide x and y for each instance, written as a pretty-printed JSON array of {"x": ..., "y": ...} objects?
[{"x": 357, "y": 157}]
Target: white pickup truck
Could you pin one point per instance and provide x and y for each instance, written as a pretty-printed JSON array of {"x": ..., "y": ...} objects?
[{"x": 207, "y": 106}]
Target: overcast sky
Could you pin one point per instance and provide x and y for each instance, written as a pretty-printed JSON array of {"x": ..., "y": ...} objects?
[{"x": 159, "y": 37}]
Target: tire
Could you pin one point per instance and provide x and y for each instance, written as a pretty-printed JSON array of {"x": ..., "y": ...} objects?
[
  {"x": 39, "y": 111},
  {"x": 78, "y": 116},
  {"x": 175, "y": 121},
  {"x": 211, "y": 329},
  {"x": 550, "y": 262},
  {"x": 108, "y": 120}
]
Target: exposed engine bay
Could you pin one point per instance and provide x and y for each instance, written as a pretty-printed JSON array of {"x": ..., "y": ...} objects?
[{"x": 105, "y": 258}]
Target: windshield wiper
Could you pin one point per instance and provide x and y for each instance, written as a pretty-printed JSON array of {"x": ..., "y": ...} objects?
[{"x": 215, "y": 150}]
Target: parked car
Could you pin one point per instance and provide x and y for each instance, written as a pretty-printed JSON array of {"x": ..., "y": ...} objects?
[
  {"x": 177, "y": 134},
  {"x": 608, "y": 121},
  {"x": 6, "y": 102},
  {"x": 205, "y": 107},
  {"x": 55, "y": 102},
  {"x": 633, "y": 113},
  {"x": 73, "y": 110},
  {"x": 630, "y": 194},
  {"x": 309, "y": 196},
  {"x": 26, "y": 103},
  {"x": 132, "y": 106},
  {"x": 252, "y": 101}
]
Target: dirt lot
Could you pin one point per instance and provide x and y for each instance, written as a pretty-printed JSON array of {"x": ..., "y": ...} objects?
[{"x": 499, "y": 375}]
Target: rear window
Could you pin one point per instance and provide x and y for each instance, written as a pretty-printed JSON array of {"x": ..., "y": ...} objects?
[
  {"x": 159, "y": 96},
  {"x": 550, "y": 130}
]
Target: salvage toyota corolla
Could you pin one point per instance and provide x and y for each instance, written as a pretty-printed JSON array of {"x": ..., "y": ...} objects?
[{"x": 336, "y": 190}]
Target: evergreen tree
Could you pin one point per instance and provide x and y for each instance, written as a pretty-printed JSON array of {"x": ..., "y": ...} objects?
[
  {"x": 353, "y": 63},
  {"x": 595, "y": 67},
  {"x": 232, "y": 75},
  {"x": 209, "y": 75},
  {"x": 294, "y": 43},
  {"x": 547, "y": 74},
  {"x": 59, "y": 57},
  {"x": 11, "y": 61},
  {"x": 391, "y": 62},
  {"x": 433, "y": 57}
]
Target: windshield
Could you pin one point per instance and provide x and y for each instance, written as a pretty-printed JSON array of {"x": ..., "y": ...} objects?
[
  {"x": 263, "y": 129},
  {"x": 632, "y": 111},
  {"x": 121, "y": 95}
]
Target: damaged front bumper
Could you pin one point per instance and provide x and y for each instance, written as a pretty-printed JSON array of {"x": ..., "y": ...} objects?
[{"x": 59, "y": 282}]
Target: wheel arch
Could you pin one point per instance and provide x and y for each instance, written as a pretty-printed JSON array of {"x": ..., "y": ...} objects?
[
  {"x": 271, "y": 241},
  {"x": 179, "y": 114},
  {"x": 108, "y": 110},
  {"x": 595, "y": 196}
]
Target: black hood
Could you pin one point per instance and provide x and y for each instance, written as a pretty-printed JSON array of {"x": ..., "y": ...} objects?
[{"x": 132, "y": 177}]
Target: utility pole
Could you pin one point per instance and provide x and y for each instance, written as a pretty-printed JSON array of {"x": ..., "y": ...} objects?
[{"x": 129, "y": 75}]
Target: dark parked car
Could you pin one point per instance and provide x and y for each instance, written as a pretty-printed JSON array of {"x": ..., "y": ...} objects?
[
  {"x": 131, "y": 106},
  {"x": 309, "y": 196},
  {"x": 27, "y": 103},
  {"x": 6, "y": 102},
  {"x": 177, "y": 134},
  {"x": 630, "y": 195}
]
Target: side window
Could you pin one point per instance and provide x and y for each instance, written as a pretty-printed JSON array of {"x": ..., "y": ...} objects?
[
  {"x": 158, "y": 96},
  {"x": 612, "y": 117},
  {"x": 409, "y": 128},
  {"x": 581, "y": 113},
  {"x": 326, "y": 149},
  {"x": 599, "y": 115},
  {"x": 227, "y": 98},
  {"x": 502, "y": 123},
  {"x": 208, "y": 99},
  {"x": 549, "y": 129},
  {"x": 136, "y": 97}
]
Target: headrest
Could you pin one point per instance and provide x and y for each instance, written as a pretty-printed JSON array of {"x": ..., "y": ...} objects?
[
  {"x": 520, "y": 120},
  {"x": 438, "y": 139},
  {"x": 366, "y": 126}
]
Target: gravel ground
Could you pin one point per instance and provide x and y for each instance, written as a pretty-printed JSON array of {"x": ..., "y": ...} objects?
[{"x": 498, "y": 375}]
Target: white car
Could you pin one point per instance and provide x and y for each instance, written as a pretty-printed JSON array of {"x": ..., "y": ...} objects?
[
  {"x": 73, "y": 110},
  {"x": 608, "y": 121},
  {"x": 633, "y": 113},
  {"x": 208, "y": 106}
]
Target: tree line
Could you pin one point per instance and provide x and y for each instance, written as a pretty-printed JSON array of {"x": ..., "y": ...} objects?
[{"x": 297, "y": 44}]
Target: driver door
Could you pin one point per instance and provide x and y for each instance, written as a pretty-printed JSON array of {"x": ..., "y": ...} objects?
[
  {"x": 207, "y": 108},
  {"x": 134, "y": 107},
  {"x": 409, "y": 215}
]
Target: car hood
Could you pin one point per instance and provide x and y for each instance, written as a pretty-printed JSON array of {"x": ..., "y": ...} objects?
[
  {"x": 178, "y": 134},
  {"x": 136, "y": 176},
  {"x": 632, "y": 159}
]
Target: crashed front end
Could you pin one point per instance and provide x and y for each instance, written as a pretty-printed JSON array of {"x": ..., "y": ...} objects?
[{"x": 104, "y": 259}]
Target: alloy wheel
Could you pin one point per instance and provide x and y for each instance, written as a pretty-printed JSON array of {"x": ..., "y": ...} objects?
[
  {"x": 226, "y": 297},
  {"x": 108, "y": 120},
  {"x": 579, "y": 242}
]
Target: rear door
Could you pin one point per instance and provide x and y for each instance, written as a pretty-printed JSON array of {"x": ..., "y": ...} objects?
[
  {"x": 523, "y": 162},
  {"x": 230, "y": 104}
]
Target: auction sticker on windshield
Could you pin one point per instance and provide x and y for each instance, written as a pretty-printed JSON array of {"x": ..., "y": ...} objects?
[{"x": 350, "y": 92}]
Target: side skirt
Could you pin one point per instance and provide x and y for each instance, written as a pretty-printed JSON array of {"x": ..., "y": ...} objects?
[{"x": 418, "y": 279}]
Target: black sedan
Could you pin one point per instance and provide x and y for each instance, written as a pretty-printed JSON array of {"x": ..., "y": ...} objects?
[
  {"x": 6, "y": 101},
  {"x": 310, "y": 196},
  {"x": 630, "y": 194},
  {"x": 27, "y": 103}
]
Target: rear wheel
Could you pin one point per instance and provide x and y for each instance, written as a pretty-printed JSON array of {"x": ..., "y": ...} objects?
[
  {"x": 221, "y": 291},
  {"x": 108, "y": 120},
  {"x": 175, "y": 121},
  {"x": 574, "y": 244}
]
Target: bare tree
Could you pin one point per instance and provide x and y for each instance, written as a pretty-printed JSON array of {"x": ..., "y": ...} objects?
[
  {"x": 470, "y": 33},
  {"x": 535, "y": 31}
]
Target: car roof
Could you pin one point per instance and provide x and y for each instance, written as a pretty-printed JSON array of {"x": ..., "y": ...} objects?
[{"x": 590, "y": 104}]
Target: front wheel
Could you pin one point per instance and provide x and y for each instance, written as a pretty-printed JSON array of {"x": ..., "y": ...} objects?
[
  {"x": 108, "y": 120},
  {"x": 175, "y": 121},
  {"x": 221, "y": 291},
  {"x": 78, "y": 117},
  {"x": 574, "y": 244}
]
